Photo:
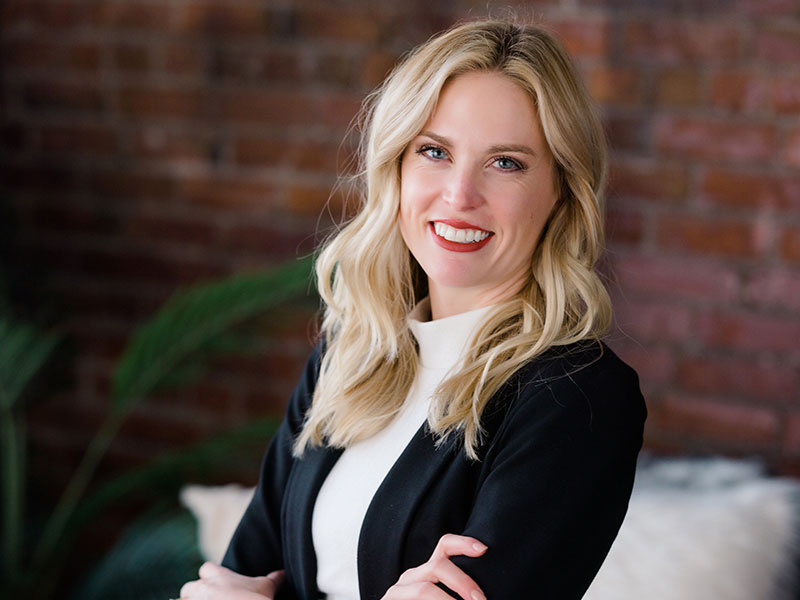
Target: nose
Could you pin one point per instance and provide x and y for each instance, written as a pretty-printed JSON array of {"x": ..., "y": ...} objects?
[{"x": 462, "y": 191}]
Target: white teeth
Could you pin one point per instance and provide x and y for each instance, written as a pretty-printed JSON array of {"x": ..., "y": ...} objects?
[{"x": 461, "y": 236}]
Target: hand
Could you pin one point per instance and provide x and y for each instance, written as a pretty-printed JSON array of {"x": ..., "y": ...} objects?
[
  {"x": 219, "y": 583},
  {"x": 420, "y": 583}
]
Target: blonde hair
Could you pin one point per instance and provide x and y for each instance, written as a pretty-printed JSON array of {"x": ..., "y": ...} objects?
[{"x": 369, "y": 281}]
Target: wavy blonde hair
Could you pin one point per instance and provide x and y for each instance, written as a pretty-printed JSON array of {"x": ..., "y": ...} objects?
[{"x": 369, "y": 281}]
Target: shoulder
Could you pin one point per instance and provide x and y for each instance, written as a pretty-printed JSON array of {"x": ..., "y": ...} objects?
[{"x": 579, "y": 389}]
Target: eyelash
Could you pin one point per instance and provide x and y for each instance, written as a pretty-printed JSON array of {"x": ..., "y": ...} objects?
[{"x": 423, "y": 151}]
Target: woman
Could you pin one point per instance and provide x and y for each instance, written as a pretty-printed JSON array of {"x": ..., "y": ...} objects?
[{"x": 460, "y": 427}]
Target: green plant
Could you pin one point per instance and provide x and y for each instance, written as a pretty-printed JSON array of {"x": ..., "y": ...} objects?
[{"x": 169, "y": 350}]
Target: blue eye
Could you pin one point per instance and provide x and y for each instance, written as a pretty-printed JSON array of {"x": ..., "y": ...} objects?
[
  {"x": 433, "y": 152},
  {"x": 507, "y": 164}
]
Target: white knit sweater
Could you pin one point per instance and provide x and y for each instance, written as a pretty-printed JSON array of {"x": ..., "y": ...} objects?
[{"x": 348, "y": 490}]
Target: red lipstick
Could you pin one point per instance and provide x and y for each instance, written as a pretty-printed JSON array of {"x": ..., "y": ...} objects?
[{"x": 456, "y": 246}]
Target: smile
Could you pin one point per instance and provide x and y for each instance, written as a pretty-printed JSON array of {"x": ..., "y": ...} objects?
[{"x": 460, "y": 236}]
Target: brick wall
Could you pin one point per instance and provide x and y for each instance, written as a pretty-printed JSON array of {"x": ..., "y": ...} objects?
[{"x": 150, "y": 144}]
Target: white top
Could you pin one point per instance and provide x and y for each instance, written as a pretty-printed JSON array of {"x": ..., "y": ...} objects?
[{"x": 345, "y": 495}]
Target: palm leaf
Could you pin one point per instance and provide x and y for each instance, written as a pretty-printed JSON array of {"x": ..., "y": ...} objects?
[
  {"x": 177, "y": 340},
  {"x": 188, "y": 327},
  {"x": 23, "y": 350},
  {"x": 168, "y": 473},
  {"x": 153, "y": 559}
]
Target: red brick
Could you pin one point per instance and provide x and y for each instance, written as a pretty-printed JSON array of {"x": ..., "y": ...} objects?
[
  {"x": 104, "y": 302},
  {"x": 261, "y": 151},
  {"x": 268, "y": 240},
  {"x": 126, "y": 264},
  {"x": 337, "y": 110},
  {"x": 46, "y": 15},
  {"x": 584, "y": 37},
  {"x": 74, "y": 219},
  {"x": 739, "y": 378},
  {"x": 716, "y": 421},
  {"x": 336, "y": 69},
  {"x": 676, "y": 278},
  {"x": 779, "y": 44},
  {"x": 655, "y": 366},
  {"x": 83, "y": 57},
  {"x": 333, "y": 24},
  {"x": 135, "y": 15},
  {"x": 63, "y": 95},
  {"x": 210, "y": 397},
  {"x": 78, "y": 139},
  {"x": 791, "y": 438},
  {"x": 267, "y": 106},
  {"x": 627, "y": 132},
  {"x": 146, "y": 424},
  {"x": 648, "y": 179},
  {"x": 715, "y": 140},
  {"x": 615, "y": 85},
  {"x": 791, "y": 150},
  {"x": 674, "y": 41},
  {"x": 185, "y": 59},
  {"x": 624, "y": 226},
  {"x": 217, "y": 17},
  {"x": 224, "y": 191},
  {"x": 786, "y": 93},
  {"x": 170, "y": 229},
  {"x": 14, "y": 136},
  {"x": 790, "y": 244},
  {"x": 679, "y": 87},
  {"x": 748, "y": 332},
  {"x": 775, "y": 288},
  {"x": 741, "y": 90},
  {"x": 653, "y": 321},
  {"x": 302, "y": 154},
  {"x": 723, "y": 238},
  {"x": 23, "y": 55},
  {"x": 377, "y": 66},
  {"x": 129, "y": 184},
  {"x": 46, "y": 178},
  {"x": 313, "y": 199},
  {"x": 767, "y": 7},
  {"x": 259, "y": 402},
  {"x": 130, "y": 57},
  {"x": 162, "y": 101},
  {"x": 724, "y": 187},
  {"x": 257, "y": 65},
  {"x": 187, "y": 144}
]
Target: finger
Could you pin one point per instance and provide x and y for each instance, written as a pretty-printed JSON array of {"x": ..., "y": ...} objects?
[
  {"x": 190, "y": 590},
  {"x": 451, "y": 544},
  {"x": 277, "y": 577},
  {"x": 442, "y": 570},
  {"x": 209, "y": 569},
  {"x": 416, "y": 591}
]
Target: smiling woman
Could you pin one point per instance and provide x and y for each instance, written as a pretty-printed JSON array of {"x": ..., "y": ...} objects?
[
  {"x": 460, "y": 429},
  {"x": 477, "y": 189}
]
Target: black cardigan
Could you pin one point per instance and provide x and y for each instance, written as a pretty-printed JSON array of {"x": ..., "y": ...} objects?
[{"x": 547, "y": 496}]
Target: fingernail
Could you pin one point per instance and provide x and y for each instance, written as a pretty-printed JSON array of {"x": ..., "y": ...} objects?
[
  {"x": 477, "y": 595},
  {"x": 479, "y": 547}
]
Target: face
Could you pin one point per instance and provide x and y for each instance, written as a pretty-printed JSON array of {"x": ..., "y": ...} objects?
[{"x": 477, "y": 187}]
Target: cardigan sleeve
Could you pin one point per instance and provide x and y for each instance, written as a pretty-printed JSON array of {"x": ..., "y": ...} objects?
[
  {"x": 556, "y": 481},
  {"x": 256, "y": 548}
]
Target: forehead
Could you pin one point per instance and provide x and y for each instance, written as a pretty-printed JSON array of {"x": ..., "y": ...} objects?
[{"x": 486, "y": 106}]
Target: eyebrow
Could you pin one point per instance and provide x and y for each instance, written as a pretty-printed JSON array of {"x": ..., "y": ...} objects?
[{"x": 521, "y": 148}]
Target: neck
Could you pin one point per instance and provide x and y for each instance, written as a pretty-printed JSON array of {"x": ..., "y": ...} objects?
[{"x": 446, "y": 301}]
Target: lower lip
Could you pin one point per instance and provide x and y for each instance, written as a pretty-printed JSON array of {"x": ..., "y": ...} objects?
[{"x": 455, "y": 246}]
